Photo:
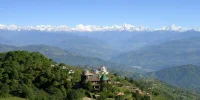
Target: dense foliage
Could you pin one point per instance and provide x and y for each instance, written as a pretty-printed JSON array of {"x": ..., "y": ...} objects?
[{"x": 31, "y": 75}]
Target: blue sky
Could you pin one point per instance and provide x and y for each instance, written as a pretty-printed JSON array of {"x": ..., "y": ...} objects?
[{"x": 148, "y": 13}]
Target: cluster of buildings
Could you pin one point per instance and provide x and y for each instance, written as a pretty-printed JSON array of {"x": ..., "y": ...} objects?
[
  {"x": 64, "y": 67},
  {"x": 100, "y": 75},
  {"x": 96, "y": 77}
]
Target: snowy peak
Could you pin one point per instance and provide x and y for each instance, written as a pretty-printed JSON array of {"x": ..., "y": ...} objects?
[
  {"x": 93, "y": 28},
  {"x": 174, "y": 28}
]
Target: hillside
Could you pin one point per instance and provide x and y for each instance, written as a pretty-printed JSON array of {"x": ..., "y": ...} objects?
[
  {"x": 172, "y": 53},
  {"x": 4, "y": 48},
  {"x": 35, "y": 77},
  {"x": 68, "y": 57},
  {"x": 185, "y": 76},
  {"x": 163, "y": 91},
  {"x": 32, "y": 76}
]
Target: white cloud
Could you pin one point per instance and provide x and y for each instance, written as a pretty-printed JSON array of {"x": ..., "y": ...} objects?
[{"x": 93, "y": 28}]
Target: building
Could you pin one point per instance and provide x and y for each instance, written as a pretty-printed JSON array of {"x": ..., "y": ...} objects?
[
  {"x": 120, "y": 93},
  {"x": 93, "y": 78},
  {"x": 103, "y": 69},
  {"x": 96, "y": 79},
  {"x": 71, "y": 72},
  {"x": 96, "y": 71}
]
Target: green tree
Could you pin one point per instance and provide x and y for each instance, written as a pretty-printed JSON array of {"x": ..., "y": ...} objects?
[
  {"x": 75, "y": 95},
  {"x": 102, "y": 97},
  {"x": 28, "y": 92},
  {"x": 88, "y": 86},
  {"x": 121, "y": 97}
]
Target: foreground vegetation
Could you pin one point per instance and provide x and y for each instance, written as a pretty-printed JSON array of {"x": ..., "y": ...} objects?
[
  {"x": 12, "y": 98},
  {"x": 35, "y": 77},
  {"x": 32, "y": 76}
]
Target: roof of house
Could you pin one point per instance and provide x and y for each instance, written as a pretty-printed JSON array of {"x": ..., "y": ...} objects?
[
  {"x": 88, "y": 73},
  {"x": 104, "y": 78}
]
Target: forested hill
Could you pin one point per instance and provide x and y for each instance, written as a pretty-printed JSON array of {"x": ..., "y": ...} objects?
[
  {"x": 31, "y": 75},
  {"x": 185, "y": 76},
  {"x": 35, "y": 77}
]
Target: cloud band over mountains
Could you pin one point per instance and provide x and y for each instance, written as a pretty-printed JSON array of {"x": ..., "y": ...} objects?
[{"x": 92, "y": 28}]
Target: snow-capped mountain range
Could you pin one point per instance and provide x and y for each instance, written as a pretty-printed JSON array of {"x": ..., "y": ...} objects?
[{"x": 94, "y": 28}]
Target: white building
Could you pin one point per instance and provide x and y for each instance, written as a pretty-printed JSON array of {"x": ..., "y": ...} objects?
[
  {"x": 71, "y": 72},
  {"x": 103, "y": 69}
]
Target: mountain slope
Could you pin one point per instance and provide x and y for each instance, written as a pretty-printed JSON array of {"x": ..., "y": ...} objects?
[
  {"x": 2, "y": 40},
  {"x": 163, "y": 91},
  {"x": 83, "y": 45},
  {"x": 67, "y": 57},
  {"x": 185, "y": 76},
  {"x": 100, "y": 44},
  {"x": 127, "y": 41},
  {"x": 4, "y": 48},
  {"x": 173, "y": 53},
  {"x": 32, "y": 76}
]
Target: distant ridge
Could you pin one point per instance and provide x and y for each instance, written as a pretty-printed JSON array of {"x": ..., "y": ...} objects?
[
  {"x": 185, "y": 76},
  {"x": 168, "y": 54}
]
